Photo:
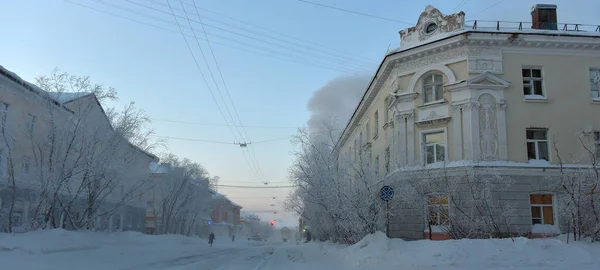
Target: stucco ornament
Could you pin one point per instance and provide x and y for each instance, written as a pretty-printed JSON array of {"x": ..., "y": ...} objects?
[
  {"x": 488, "y": 127},
  {"x": 431, "y": 23}
]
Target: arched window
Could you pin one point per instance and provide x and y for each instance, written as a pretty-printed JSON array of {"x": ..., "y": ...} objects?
[{"x": 433, "y": 87}]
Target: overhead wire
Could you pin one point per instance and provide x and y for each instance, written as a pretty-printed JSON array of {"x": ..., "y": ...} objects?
[
  {"x": 307, "y": 44},
  {"x": 201, "y": 73},
  {"x": 342, "y": 60},
  {"x": 252, "y": 158},
  {"x": 218, "y": 142},
  {"x": 460, "y": 5},
  {"x": 354, "y": 12},
  {"x": 220, "y": 125},
  {"x": 257, "y": 49}
]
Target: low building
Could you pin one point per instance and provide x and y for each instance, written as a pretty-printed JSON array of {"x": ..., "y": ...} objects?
[
  {"x": 226, "y": 220},
  {"x": 52, "y": 146}
]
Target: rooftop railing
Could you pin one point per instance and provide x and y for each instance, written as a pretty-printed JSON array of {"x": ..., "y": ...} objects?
[{"x": 518, "y": 26}]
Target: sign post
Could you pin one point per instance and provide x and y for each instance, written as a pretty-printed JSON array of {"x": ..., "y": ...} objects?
[{"x": 387, "y": 193}]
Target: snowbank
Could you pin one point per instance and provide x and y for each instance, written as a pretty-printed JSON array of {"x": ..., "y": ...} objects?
[{"x": 378, "y": 251}]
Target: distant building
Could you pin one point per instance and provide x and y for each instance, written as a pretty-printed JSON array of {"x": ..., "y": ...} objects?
[{"x": 226, "y": 218}]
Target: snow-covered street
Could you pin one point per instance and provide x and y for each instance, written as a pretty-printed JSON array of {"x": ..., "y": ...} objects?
[{"x": 59, "y": 249}]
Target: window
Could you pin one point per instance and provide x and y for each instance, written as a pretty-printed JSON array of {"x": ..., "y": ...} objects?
[
  {"x": 386, "y": 112},
  {"x": 361, "y": 139},
  {"x": 432, "y": 88},
  {"x": 595, "y": 82},
  {"x": 542, "y": 211},
  {"x": 25, "y": 165},
  {"x": 3, "y": 115},
  {"x": 3, "y": 163},
  {"x": 377, "y": 165},
  {"x": 597, "y": 144},
  {"x": 387, "y": 159},
  {"x": 537, "y": 144},
  {"x": 434, "y": 147},
  {"x": 368, "y": 130},
  {"x": 437, "y": 206},
  {"x": 430, "y": 28},
  {"x": 31, "y": 123},
  {"x": 376, "y": 119},
  {"x": 532, "y": 82},
  {"x": 16, "y": 219}
]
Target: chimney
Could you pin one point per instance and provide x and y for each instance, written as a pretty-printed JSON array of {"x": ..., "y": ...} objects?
[{"x": 543, "y": 16}]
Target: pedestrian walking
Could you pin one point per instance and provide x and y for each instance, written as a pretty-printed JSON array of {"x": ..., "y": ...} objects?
[{"x": 211, "y": 238}]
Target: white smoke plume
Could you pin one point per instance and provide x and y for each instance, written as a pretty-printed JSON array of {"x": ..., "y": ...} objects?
[{"x": 335, "y": 101}]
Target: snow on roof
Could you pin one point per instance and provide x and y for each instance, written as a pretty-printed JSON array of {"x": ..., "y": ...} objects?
[
  {"x": 219, "y": 196},
  {"x": 66, "y": 97}
]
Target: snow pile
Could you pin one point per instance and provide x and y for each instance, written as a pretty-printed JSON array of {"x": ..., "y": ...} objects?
[
  {"x": 376, "y": 251},
  {"x": 369, "y": 251},
  {"x": 61, "y": 249}
]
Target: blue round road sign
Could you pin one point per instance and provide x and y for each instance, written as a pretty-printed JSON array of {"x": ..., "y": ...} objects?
[{"x": 386, "y": 193}]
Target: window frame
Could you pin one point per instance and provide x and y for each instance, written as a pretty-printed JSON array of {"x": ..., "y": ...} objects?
[
  {"x": 31, "y": 119},
  {"x": 541, "y": 206},
  {"x": 424, "y": 144},
  {"x": 3, "y": 115},
  {"x": 597, "y": 145},
  {"x": 376, "y": 123},
  {"x": 592, "y": 81},
  {"x": 429, "y": 206},
  {"x": 433, "y": 74},
  {"x": 536, "y": 144},
  {"x": 387, "y": 156},
  {"x": 530, "y": 81}
]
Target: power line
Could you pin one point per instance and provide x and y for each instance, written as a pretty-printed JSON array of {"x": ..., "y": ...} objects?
[
  {"x": 313, "y": 46},
  {"x": 252, "y": 35},
  {"x": 491, "y": 6},
  {"x": 461, "y": 4},
  {"x": 271, "y": 53},
  {"x": 219, "y": 142},
  {"x": 220, "y": 125},
  {"x": 200, "y": 70},
  {"x": 266, "y": 187},
  {"x": 354, "y": 12}
]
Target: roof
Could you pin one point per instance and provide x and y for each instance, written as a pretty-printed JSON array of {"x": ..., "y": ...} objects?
[
  {"x": 66, "y": 97},
  {"x": 31, "y": 87},
  {"x": 219, "y": 196},
  {"x": 467, "y": 27},
  {"x": 61, "y": 98}
]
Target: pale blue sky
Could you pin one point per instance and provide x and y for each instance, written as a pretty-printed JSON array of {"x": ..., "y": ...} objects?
[{"x": 153, "y": 67}]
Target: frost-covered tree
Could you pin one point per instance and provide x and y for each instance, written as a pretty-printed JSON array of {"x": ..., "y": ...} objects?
[
  {"x": 579, "y": 197},
  {"x": 337, "y": 197},
  {"x": 181, "y": 198}
]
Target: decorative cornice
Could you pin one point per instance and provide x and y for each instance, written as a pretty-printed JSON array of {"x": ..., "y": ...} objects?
[
  {"x": 432, "y": 122},
  {"x": 465, "y": 43}
]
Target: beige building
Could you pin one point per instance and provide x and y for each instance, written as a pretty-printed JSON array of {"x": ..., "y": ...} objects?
[
  {"x": 60, "y": 144},
  {"x": 486, "y": 95}
]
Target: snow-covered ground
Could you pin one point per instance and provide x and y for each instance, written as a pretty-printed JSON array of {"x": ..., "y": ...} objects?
[{"x": 59, "y": 249}]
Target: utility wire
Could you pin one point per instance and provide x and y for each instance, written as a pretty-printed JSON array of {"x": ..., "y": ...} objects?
[
  {"x": 354, "y": 12},
  {"x": 201, "y": 73},
  {"x": 491, "y": 6},
  {"x": 253, "y": 157},
  {"x": 220, "y": 125},
  {"x": 259, "y": 187},
  {"x": 218, "y": 142},
  {"x": 252, "y": 36},
  {"x": 327, "y": 51},
  {"x": 271, "y": 53},
  {"x": 460, "y": 5}
]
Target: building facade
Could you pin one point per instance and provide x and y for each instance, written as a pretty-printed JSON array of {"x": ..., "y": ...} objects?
[
  {"x": 226, "y": 219},
  {"x": 47, "y": 140},
  {"x": 516, "y": 99}
]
